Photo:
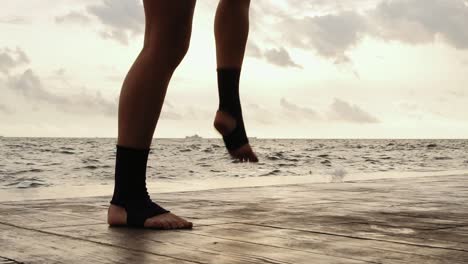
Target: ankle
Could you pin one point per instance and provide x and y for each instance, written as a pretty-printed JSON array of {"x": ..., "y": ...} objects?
[{"x": 224, "y": 122}]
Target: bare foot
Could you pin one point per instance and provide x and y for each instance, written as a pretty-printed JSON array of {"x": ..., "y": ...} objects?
[
  {"x": 117, "y": 216},
  {"x": 225, "y": 124}
]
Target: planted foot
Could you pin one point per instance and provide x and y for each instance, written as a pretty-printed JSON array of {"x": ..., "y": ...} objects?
[{"x": 117, "y": 216}]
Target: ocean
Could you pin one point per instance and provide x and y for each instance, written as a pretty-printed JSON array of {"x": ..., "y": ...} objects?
[{"x": 32, "y": 168}]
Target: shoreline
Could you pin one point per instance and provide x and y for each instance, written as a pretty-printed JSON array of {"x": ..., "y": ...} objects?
[{"x": 170, "y": 186}]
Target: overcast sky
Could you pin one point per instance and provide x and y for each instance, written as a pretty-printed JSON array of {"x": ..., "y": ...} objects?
[{"x": 314, "y": 69}]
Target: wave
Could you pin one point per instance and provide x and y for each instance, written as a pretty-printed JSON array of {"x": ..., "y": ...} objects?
[{"x": 443, "y": 158}]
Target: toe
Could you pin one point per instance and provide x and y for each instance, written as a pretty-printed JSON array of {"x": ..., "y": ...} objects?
[
  {"x": 186, "y": 224},
  {"x": 175, "y": 222},
  {"x": 252, "y": 157},
  {"x": 154, "y": 223},
  {"x": 165, "y": 224},
  {"x": 180, "y": 224}
]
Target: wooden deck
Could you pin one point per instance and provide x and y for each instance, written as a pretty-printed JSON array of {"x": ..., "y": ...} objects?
[{"x": 413, "y": 220}]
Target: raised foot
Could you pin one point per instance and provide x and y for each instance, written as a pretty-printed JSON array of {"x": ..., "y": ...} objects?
[
  {"x": 225, "y": 124},
  {"x": 117, "y": 216}
]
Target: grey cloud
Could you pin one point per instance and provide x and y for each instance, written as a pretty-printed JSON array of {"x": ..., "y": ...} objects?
[
  {"x": 122, "y": 18},
  {"x": 416, "y": 21},
  {"x": 259, "y": 114},
  {"x": 30, "y": 86},
  {"x": 276, "y": 56},
  {"x": 169, "y": 112},
  {"x": 458, "y": 93},
  {"x": 330, "y": 35},
  {"x": 280, "y": 57},
  {"x": 73, "y": 17},
  {"x": 253, "y": 50},
  {"x": 333, "y": 33},
  {"x": 341, "y": 110},
  {"x": 14, "y": 20},
  {"x": 169, "y": 115},
  {"x": 60, "y": 72},
  {"x": 327, "y": 6},
  {"x": 5, "y": 109},
  {"x": 117, "y": 35},
  {"x": 10, "y": 59},
  {"x": 298, "y": 111}
]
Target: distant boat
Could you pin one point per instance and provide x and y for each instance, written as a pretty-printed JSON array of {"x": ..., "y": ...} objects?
[{"x": 193, "y": 137}]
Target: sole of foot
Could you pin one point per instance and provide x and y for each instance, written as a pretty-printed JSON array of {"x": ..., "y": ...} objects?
[
  {"x": 225, "y": 124},
  {"x": 117, "y": 216}
]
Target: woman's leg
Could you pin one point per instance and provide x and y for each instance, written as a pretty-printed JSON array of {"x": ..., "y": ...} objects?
[
  {"x": 167, "y": 37},
  {"x": 231, "y": 32}
]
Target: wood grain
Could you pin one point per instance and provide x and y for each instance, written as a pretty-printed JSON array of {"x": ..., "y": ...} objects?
[{"x": 412, "y": 220}]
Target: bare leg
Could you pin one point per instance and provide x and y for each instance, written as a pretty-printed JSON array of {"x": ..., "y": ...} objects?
[
  {"x": 167, "y": 37},
  {"x": 231, "y": 33}
]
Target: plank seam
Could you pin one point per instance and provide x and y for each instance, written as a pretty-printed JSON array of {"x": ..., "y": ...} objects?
[
  {"x": 99, "y": 243},
  {"x": 288, "y": 248},
  {"x": 10, "y": 261},
  {"x": 357, "y": 237}
]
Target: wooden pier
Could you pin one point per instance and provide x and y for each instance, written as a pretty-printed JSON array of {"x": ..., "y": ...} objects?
[{"x": 411, "y": 220}]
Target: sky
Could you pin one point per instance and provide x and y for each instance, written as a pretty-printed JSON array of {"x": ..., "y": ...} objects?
[{"x": 313, "y": 69}]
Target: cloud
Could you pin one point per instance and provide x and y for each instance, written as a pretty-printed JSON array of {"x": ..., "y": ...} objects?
[
  {"x": 5, "y": 109},
  {"x": 10, "y": 59},
  {"x": 416, "y": 21},
  {"x": 458, "y": 93},
  {"x": 30, "y": 86},
  {"x": 276, "y": 56},
  {"x": 280, "y": 57},
  {"x": 296, "y": 111},
  {"x": 334, "y": 28},
  {"x": 259, "y": 114},
  {"x": 14, "y": 20},
  {"x": 122, "y": 19},
  {"x": 330, "y": 35},
  {"x": 73, "y": 17},
  {"x": 169, "y": 112},
  {"x": 341, "y": 110},
  {"x": 253, "y": 50}
]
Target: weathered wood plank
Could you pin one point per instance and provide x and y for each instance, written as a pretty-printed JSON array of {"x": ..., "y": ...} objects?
[
  {"x": 30, "y": 246},
  {"x": 7, "y": 261},
  {"x": 27, "y": 217},
  {"x": 334, "y": 245},
  {"x": 201, "y": 248},
  {"x": 414, "y": 220}
]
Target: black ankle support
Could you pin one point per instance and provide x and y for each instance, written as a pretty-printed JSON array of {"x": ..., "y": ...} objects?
[
  {"x": 130, "y": 186},
  {"x": 229, "y": 102}
]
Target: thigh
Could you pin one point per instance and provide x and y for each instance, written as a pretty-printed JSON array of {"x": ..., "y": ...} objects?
[
  {"x": 164, "y": 11},
  {"x": 168, "y": 17}
]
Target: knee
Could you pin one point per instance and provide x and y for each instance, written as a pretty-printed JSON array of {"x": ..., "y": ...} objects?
[
  {"x": 176, "y": 50},
  {"x": 170, "y": 48}
]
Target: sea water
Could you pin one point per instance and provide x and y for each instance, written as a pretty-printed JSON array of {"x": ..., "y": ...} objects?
[{"x": 49, "y": 167}]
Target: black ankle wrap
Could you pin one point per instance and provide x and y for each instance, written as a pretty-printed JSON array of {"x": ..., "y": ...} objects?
[
  {"x": 229, "y": 102},
  {"x": 130, "y": 186}
]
